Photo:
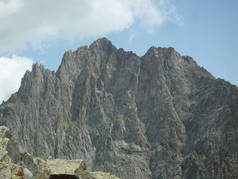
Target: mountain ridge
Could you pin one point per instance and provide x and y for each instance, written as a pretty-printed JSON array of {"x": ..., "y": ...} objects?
[{"x": 155, "y": 116}]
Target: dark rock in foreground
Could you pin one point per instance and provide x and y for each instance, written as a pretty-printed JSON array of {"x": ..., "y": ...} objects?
[{"x": 159, "y": 116}]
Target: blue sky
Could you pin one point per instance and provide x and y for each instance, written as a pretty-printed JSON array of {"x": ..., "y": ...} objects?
[{"x": 41, "y": 32}]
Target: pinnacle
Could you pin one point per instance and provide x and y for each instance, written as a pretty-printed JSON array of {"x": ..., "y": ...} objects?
[{"x": 102, "y": 43}]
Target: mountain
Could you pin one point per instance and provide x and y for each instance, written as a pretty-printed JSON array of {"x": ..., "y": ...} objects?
[
  {"x": 17, "y": 165},
  {"x": 158, "y": 116}
]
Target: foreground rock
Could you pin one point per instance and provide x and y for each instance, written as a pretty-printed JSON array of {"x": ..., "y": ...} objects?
[
  {"x": 75, "y": 168},
  {"x": 10, "y": 157},
  {"x": 158, "y": 116},
  {"x": 25, "y": 167}
]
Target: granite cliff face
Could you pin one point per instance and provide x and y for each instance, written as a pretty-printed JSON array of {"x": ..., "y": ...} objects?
[
  {"x": 17, "y": 165},
  {"x": 158, "y": 116}
]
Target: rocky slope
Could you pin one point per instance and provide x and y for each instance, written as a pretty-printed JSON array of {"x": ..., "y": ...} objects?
[
  {"x": 17, "y": 165},
  {"x": 158, "y": 116}
]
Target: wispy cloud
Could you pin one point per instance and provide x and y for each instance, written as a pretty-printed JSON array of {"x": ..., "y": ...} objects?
[
  {"x": 11, "y": 71},
  {"x": 169, "y": 12},
  {"x": 132, "y": 35},
  {"x": 27, "y": 23}
]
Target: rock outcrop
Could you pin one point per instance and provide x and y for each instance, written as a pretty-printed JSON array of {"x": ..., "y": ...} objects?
[
  {"x": 11, "y": 159},
  {"x": 17, "y": 165},
  {"x": 158, "y": 116}
]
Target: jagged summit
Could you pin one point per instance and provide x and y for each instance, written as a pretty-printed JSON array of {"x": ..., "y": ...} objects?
[
  {"x": 155, "y": 116},
  {"x": 102, "y": 43}
]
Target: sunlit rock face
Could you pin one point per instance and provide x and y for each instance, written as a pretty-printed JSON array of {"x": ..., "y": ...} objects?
[{"x": 158, "y": 116}]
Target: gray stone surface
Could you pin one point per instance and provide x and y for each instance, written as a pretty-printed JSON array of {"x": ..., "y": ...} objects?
[
  {"x": 158, "y": 116},
  {"x": 39, "y": 169}
]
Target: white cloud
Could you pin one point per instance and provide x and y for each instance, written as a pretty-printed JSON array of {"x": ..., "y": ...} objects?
[
  {"x": 132, "y": 35},
  {"x": 9, "y": 7},
  {"x": 169, "y": 12},
  {"x": 27, "y": 23},
  {"x": 11, "y": 71}
]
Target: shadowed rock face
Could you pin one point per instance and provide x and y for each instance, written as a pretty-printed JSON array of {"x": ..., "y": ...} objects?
[
  {"x": 63, "y": 177},
  {"x": 159, "y": 116}
]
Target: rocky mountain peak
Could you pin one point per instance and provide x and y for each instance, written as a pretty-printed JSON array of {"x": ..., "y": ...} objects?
[
  {"x": 156, "y": 116},
  {"x": 37, "y": 68},
  {"x": 102, "y": 44}
]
